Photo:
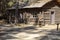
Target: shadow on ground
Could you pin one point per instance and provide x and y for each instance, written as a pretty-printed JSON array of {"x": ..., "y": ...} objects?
[
  {"x": 6, "y": 34},
  {"x": 7, "y": 37},
  {"x": 16, "y": 30},
  {"x": 53, "y": 35}
]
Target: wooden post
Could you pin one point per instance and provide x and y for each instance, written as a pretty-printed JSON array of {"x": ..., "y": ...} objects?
[
  {"x": 43, "y": 18},
  {"x": 40, "y": 25},
  {"x": 57, "y": 26},
  {"x": 16, "y": 13},
  {"x": 10, "y": 18}
]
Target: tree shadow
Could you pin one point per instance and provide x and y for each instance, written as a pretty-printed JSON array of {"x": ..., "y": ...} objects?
[
  {"x": 29, "y": 28},
  {"x": 8, "y": 33},
  {"x": 16, "y": 30},
  {"x": 53, "y": 35},
  {"x": 21, "y": 29},
  {"x": 6, "y": 37},
  {"x": 35, "y": 32}
]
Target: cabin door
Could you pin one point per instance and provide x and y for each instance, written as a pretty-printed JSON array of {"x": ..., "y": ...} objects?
[{"x": 52, "y": 17}]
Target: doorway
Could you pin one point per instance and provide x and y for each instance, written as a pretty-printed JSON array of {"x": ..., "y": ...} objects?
[{"x": 52, "y": 17}]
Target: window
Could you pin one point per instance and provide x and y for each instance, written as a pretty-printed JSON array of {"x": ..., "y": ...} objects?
[{"x": 52, "y": 12}]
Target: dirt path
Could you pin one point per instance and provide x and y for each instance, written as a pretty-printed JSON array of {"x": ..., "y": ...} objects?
[{"x": 47, "y": 32}]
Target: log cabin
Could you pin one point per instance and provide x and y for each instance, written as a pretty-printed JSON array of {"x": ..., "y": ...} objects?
[{"x": 48, "y": 12}]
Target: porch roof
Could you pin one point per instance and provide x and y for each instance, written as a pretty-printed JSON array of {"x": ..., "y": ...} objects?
[{"x": 38, "y": 4}]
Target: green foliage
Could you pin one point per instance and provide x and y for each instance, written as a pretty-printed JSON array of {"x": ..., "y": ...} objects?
[{"x": 10, "y": 4}]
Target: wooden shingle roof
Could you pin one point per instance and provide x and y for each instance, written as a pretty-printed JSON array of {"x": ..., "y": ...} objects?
[{"x": 38, "y": 4}]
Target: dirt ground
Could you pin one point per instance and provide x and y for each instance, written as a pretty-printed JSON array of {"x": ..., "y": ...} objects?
[{"x": 29, "y": 32}]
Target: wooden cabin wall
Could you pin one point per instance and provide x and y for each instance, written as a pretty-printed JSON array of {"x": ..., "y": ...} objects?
[
  {"x": 34, "y": 12},
  {"x": 48, "y": 8},
  {"x": 47, "y": 15},
  {"x": 30, "y": 14},
  {"x": 27, "y": 13},
  {"x": 57, "y": 15}
]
